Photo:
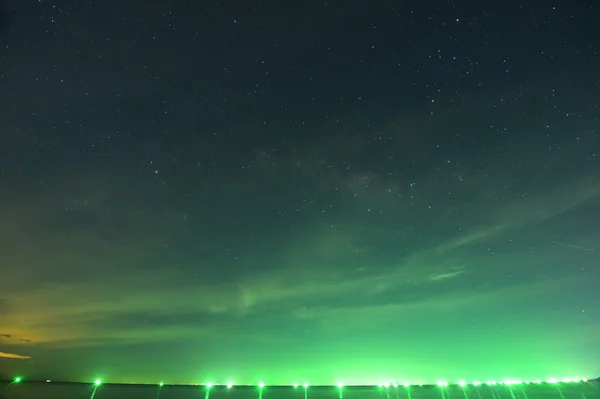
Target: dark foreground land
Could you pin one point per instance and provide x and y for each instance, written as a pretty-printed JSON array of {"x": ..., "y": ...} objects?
[{"x": 41, "y": 390}]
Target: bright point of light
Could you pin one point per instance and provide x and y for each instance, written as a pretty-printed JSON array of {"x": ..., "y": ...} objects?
[
  {"x": 261, "y": 384},
  {"x": 209, "y": 384},
  {"x": 18, "y": 379},
  {"x": 406, "y": 384},
  {"x": 340, "y": 384},
  {"x": 386, "y": 384},
  {"x": 462, "y": 383},
  {"x": 476, "y": 383},
  {"x": 98, "y": 382},
  {"x": 305, "y": 385},
  {"x": 48, "y": 380},
  {"x": 295, "y": 385},
  {"x": 229, "y": 384},
  {"x": 442, "y": 384},
  {"x": 584, "y": 379},
  {"x": 160, "y": 384},
  {"x": 551, "y": 381},
  {"x": 379, "y": 385},
  {"x": 566, "y": 380}
]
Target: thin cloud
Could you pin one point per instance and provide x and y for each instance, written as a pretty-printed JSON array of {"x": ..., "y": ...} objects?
[
  {"x": 14, "y": 356},
  {"x": 446, "y": 276},
  {"x": 315, "y": 269},
  {"x": 552, "y": 203},
  {"x": 347, "y": 317}
]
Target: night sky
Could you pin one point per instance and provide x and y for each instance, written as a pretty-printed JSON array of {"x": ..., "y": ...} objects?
[{"x": 309, "y": 190}]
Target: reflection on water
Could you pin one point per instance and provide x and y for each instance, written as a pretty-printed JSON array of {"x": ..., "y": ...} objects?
[{"x": 40, "y": 390}]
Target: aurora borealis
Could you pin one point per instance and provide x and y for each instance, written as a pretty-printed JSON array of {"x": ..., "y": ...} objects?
[{"x": 253, "y": 191}]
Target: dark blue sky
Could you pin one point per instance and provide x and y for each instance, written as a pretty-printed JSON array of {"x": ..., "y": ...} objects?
[{"x": 242, "y": 190}]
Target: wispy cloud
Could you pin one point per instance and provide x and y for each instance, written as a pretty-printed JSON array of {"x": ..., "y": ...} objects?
[
  {"x": 446, "y": 276},
  {"x": 342, "y": 318},
  {"x": 14, "y": 356},
  {"x": 318, "y": 264},
  {"x": 544, "y": 205}
]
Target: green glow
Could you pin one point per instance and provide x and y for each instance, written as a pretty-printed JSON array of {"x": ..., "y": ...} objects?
[{"x": 406, "y": 384}]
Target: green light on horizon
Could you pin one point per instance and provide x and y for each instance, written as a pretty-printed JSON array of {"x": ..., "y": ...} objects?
[{"x": 463, "y": 383}]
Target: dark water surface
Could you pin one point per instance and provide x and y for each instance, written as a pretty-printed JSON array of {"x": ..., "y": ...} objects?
[{"x": 41, "y": 390}]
